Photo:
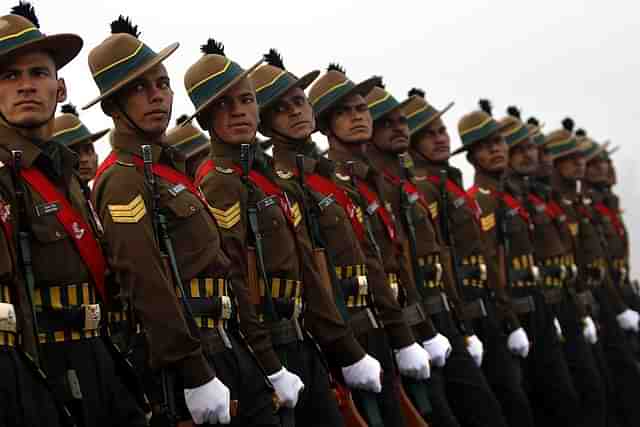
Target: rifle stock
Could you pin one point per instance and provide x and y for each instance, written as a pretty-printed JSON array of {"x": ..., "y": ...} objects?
[
  {"x": 412, "y": 417},
  {"x": 347, "y": 406}
]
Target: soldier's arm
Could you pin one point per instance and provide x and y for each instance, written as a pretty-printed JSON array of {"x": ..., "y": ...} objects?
[
  {"x": 227, "y": 199},
  {"x": 135, "y": 259}
]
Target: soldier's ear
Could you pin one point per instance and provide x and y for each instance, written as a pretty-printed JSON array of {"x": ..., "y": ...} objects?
[{"x": 61, "y": 93}]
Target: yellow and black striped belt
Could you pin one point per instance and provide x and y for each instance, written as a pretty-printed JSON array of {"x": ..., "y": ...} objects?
[
  {"x": 473, "y": 271},
  {"x": 118, "y": 321},
  {"x": 524, "y": 272},
  {"x": 8, "y": 325},
  {"x": 210, "y": 301},
  {"x": 432, "y": 270},
  {"x": 67, "y": 313},
  {"x": 596, "y": 272},
  {"x": 355, "y": 287},
  {"x": 620, "y": 270},
  {"x": 286, "y": 295}
]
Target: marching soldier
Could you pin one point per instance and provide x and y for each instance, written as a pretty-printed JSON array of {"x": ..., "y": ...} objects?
[
  {"x": 342, "y": 114},
  {"x": 291, "y": 294},
  {"x": 165, "y": 250},
  {"x": 52, "y": 234},
  {"x": 191, "y": 143},
  {"x": 287, "y": 117},
  {"x": 488, "y": 306},
  {"x": 71, "y": 132}
]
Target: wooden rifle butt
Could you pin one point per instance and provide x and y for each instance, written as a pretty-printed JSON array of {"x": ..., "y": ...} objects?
[{"x": 347, "y": 406}]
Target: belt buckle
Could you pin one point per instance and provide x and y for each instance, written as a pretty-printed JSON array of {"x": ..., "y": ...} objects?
[
  {"x": 363, "y": 285},
  {"x": 483, "y": 272},
  {"x": 535, "y": 273},
  {"x": 574, "y": 271},
  {"x": 91, "y": 316},
  {"x": 563, "y": 272},
  {"x": 227, "y": 308},
  {"x": 445, "y": 301},
  {"x": 438, "y": 268},
  {"x": 394, "y": 289},
  {"x": 8, "y": 321}
]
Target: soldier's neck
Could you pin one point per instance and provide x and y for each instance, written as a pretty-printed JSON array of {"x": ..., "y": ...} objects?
[
  {"x": 564, "y": 186},
  {"x": 285, "y": 152},
  {"x": 383, "y": 160},
  {"x": 343, "y": 152},
  {"x": 487, "y": 179}
]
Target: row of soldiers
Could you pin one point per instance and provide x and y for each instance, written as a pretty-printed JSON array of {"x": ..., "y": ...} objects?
[{"x": 204, "y": 281}]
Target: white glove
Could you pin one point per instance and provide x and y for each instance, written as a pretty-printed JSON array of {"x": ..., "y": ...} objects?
[
  {"x": 209, "y": 403},
  {"x": 475, "y": 348},
  {"x": 589, "y": 330},
  {"x": 556, "y": 323},
  {"x": 518, "y": 343},
  {"x": 439, "y": 348},
  {"x": 364, "y": 375},
  {"x": 413, "y": 361},
  {"x": 629, "y": 320},
  {"x": 288, "y": 387}
]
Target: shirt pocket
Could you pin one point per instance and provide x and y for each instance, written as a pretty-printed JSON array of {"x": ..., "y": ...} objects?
[
  {"x": 189, "y": 224},
  {"x": 52, "y": 252}
]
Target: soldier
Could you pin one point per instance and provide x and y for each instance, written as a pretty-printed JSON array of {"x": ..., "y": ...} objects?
[
  {"x": 287, "y": 117},
  {"x": 413, "y": 201},
  {"x": 154, "y": 215},
  {"x": 60, "y": 263},
  {"x": 191, "y": 143},
  {"x": 343, "y": 116},
  {"x": 70, "y": 131},
  {"x": 294, "y": 301},
  {"x": 487, "y": 303}
]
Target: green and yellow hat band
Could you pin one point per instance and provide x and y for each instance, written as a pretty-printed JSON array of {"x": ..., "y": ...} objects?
[
  {"x": 516, "y": 136},
  {"x": 274, "y": 88},
  {"x": 203, "y": 90},
  {"x": 480, "y": 131},
  {"x": 559, "y": 148},
  {"x": 383, "y": 105},
  {"x": 72, "y": 135},
  {"x": 327, "y": 98},
  {"x": 11, "y": 41},
  {"x": 114, "y": 73},
  {"x": 423, "y": 115}
]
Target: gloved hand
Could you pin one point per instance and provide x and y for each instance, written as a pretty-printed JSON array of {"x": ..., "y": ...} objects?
[
  {"x": 413, "y": 361},
  {"x": 364, "y": 375},
  {"x": 589, "y": 330},
  {"x": 475, "y": 348},
  {"x": 556, "y": 323},
  {"x": 518, "y": 343},
  {"x": 629, "y": 320},
  {"x": 439, "y": 348},
  {"x": 209, "y": 403},
  {"x": 288, "y": 387}
]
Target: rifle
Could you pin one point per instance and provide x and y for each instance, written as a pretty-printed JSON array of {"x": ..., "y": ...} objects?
[
  {"x": 163, "y": 239},
  {"x": 416, "y": 389}
]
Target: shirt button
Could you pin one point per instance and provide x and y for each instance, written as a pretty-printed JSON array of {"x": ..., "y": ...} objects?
[
  {"x": 193, "y": 208},
  {"x": 58, "y": 234}
]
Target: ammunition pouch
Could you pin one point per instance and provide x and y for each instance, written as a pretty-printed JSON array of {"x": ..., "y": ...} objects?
[
  {"x": 436, "y": 304},
  {"x": 553, "y": 296},
  {"x": 361, "y": 321},
  {"x": 414, "y": 314},
  {"x": 523, "y": 305},
  {"x": 473, "y": 310}
]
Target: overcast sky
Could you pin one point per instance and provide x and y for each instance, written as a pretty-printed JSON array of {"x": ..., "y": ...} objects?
[{"x": 550, "y": 58}]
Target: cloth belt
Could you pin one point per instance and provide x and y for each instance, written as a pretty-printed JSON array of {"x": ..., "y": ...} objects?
[
  {"x": 553, "y": 296},
  {"x": 362, "y": 321},
  {"x": 523, "y": 305},
  {"x": 414, "y": 314},
  {"x": 353, "y": 280},
  {"x": 285, "y": 332},
  {"x": 432, "y": 270},
  {"x": 473, "y": 271},
  {"x": 209, "y": 301},
  {"x": 474, "y": 310},
  {"x": 436, "y": 304},
  {"x": 524, "y": 272}
]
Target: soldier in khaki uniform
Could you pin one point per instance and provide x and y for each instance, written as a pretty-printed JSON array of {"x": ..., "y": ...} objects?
[
  {"x": 294, "y": 301},
  {"x": 191, "y": 143},
  {"x": 70, "y": 131},
  {"x": 53, "y": 237},
  {"x": 191, "y": 337},
  {"x": 476, "y": 262},
  {"x": 342, "y": 114},
  {"x": 351, "y": 251}
]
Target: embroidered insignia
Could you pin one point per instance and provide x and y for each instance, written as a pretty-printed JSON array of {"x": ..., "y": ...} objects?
[
  {"x": 78, "y": 231},
  {"x": 227, "y": 218},
  {"x": 484, "y": 190},
  {"x": 573, "y": 228},
  {"x": 284, "y": 174},
  {"x": 359, "y": 215},
  {"x": 130, "y": 213},
  {"x": 121, "y": 163},
  {"x": 47, "y": 208},
  {"x": 567, "y": 202},
  {"x": 296, "y": 214},
  {"x": 177, "y": 189},
  {"x": 326, "y": 202},
  {"x": 420, "y": 178},
  {"x": 433, "y": 209},
  {"x": 226, "y": 171},
  {"x": 5, "y": 211},
  {"x": 343, "y": 177},
  {"x": 488, "y": 222},
  {"x": 388, "y": 207}
]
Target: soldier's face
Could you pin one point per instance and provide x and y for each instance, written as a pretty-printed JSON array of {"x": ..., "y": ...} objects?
[
  {"x": 613, "y": 177},
  {"x": 234, "y": 117},
  {"x": 292, "y": 115},
  {"x": 491, "y": 155},
  {"x": 523, "y": 158},
  {"x": 597, "y": 171},
  {"x": 88, "y": 161},
  {"x": 545, "y": 163},
  {"x": 351, "y": 121},
  {"x": 147, "y": 101},
  {"x": 433, "y": 141},
  {"x": 391, "y": 133},
  {"x": 30, "y": 90},
  {"x": 571, "y": 167}
]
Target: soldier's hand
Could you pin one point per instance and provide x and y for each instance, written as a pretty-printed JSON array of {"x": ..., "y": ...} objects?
[
  {"x": 629, "y": 320},
  {"x": 439, "y": 348},
  {"x": 413, "y": 361},
  {"x": 288, "y": 387},
  {"x": 475, "y": 348},
  {"x": 365, "y": 374},
  {"x": 518, "y": 343},
  {"x": 209, "y": 403},
  {"x": 589, "y": 330}
]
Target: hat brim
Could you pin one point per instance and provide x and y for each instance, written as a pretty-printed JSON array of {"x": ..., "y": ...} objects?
[
  {"x": 566, "y": 154},
  {"x": 161, "y": 56},
  {"x": 469, "y": 146},
  {"x": 303, "y": 83},
  {"x": 432, "y": 119},
  {"x": 62, "y": 47},
  {"x": 222, "y": 91},
  {"x": 601, "y": 149},
  {"x": 400, "y": 106},
  {"x": 363, "y": 88}
]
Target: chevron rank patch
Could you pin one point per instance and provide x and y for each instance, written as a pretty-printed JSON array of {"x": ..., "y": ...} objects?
[
  {"x": 227, "y": 218},
  {"x": 359, "y": 215},
  {"x": 130, "y": 213},
  {"x": 488, "y": 222},
  {"x": 296, "y": 215},
  {"x": 433, "y": 208},
  {"x": 573, "y": 228}
]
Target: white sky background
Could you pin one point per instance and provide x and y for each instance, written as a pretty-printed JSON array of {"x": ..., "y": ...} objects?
[{"x": 550, "y": 58}]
